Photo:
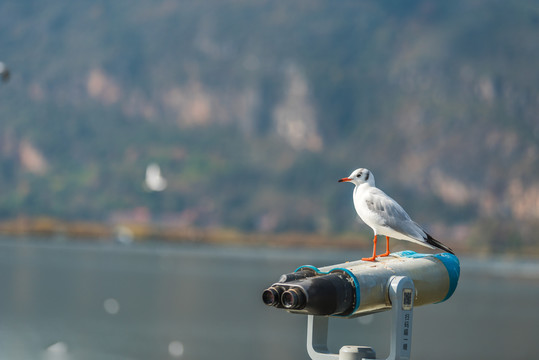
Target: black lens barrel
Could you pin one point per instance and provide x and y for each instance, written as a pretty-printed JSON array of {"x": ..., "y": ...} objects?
[
  {"x": 294, "y": 298},
  {"x": 329, "y": 294},
  {"x": 272, "y": 296}
]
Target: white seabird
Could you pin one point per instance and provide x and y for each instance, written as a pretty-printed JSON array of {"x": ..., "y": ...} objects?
[
  {"x": 154, "y": 180},
  {"x": 384, "y": 215}
]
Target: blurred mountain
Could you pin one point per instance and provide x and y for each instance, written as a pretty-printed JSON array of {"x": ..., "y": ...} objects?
[{"x": 253, "y": 109}]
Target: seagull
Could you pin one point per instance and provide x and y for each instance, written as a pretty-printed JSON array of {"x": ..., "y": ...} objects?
[
  {"x": 384, "y": 215},
  {"x": 4, "y": 72},
  {"x": 154, "y": 180}
]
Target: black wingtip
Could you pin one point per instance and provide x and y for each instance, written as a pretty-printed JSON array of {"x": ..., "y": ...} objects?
[{"x": 438, "y": 244}]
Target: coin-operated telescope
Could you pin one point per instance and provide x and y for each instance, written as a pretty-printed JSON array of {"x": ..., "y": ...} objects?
[{"x": 397, "y": 283}]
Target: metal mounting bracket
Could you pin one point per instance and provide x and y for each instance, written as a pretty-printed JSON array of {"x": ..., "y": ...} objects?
[{"x": 401, "y": 294}]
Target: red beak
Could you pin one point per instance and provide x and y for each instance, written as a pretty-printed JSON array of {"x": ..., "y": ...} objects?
[{"x": 345, "y": 179}]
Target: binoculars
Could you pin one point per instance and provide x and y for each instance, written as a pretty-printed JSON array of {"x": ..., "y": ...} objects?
[{"x": 360, "y": 287}]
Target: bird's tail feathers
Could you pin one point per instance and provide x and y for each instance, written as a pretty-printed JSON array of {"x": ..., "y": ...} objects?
[{"x": 432, "y": 241}]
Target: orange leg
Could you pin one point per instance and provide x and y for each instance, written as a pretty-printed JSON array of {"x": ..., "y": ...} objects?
[
  {"x": 387, "y": 247},
  {"x": 373, "y": 251}
]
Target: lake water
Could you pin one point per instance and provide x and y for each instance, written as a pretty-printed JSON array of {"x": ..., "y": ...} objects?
[{"x": 102, "y": 300}]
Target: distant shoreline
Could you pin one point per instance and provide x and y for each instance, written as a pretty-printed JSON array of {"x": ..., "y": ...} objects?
[
  {"x": 126, "y": 232},
  {"x": 139, "y": 232}
]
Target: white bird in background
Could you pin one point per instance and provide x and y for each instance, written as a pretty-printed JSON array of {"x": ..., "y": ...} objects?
[
  {"x": 154, "y": 180},
  {"x": 384, "y": 215},
  {"x": 4, "y": 72}
]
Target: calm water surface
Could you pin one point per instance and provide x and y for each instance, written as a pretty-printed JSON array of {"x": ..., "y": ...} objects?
[{"x": 98, "y": 300}]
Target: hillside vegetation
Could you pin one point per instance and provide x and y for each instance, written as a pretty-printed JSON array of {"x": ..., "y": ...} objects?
[{"x": 254, "y": 109}]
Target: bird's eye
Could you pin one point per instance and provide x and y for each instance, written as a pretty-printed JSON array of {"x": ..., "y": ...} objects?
[{"x": 359, "y": 175}]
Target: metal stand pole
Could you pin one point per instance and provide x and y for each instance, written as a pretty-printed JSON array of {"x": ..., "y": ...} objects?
[{"x": 401, "y": 293}]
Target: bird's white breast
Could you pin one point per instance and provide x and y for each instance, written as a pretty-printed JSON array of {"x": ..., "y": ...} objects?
[
  {"x": 374, "y": 220},
  {"x": 369, "y": 217}
]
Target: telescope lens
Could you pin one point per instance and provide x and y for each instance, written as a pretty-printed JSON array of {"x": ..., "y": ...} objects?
[
  {"x": 270, "y": 296},
  {"x": 293, "y": 299}
]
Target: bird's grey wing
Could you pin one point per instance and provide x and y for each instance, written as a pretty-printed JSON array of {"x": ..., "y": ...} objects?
[{"x": 391, "y": 214}]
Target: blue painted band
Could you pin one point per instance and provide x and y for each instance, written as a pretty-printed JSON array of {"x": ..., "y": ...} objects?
[
  {"x": 308, "y": 267},
  {"x": 450, "y": 261},
  {"x": 452, "y": 265},
  {"x": 348, "y": 272}
]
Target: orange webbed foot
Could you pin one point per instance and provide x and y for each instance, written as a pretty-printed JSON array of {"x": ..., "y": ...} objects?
[{"x": 372, "y": 258}]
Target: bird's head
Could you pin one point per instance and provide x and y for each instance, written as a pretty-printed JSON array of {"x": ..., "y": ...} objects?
[{"x": 360, "y": 176}]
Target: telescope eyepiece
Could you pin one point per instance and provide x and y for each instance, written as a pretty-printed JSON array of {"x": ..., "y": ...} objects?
[
  {"x": 272, "y": 295},
  {"x": 293, "y": 298},
  {"x": 304, "y": 294}
]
